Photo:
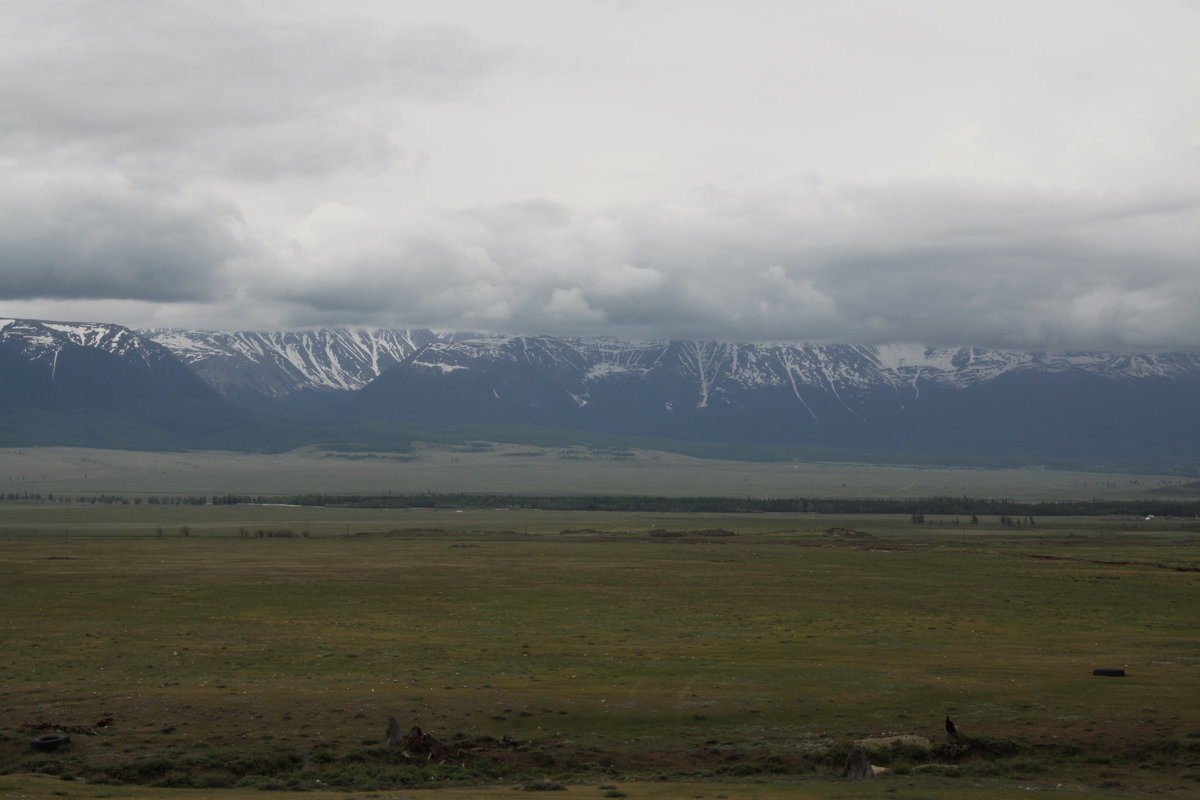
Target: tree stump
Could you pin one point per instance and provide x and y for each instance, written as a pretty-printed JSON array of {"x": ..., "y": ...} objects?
[
  {"x": 394, "y": 737},
  {"x": 420, "y": 744},
  {"x": 858, "y": 765}
]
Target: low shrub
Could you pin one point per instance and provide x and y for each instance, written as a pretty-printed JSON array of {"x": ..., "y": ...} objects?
[
  {"x": 264, "y": 782},
  {"x": 544, "y": 785}
]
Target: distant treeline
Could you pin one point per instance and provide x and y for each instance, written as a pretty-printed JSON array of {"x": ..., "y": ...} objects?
[
  {"x": 122, "y": 500},
  {"x": 743, "y": 505},
  {"x": 916, "y": 508}
]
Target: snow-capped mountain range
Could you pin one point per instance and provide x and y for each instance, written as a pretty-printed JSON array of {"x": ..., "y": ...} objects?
[
  {"x": 277, "y": 364},
  {"x": 716, "y": 367},
  {"x": 895, "y": 398}
]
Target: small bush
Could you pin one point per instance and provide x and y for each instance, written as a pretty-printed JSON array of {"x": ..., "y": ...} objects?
[
  {"x": 323, "y": 756},
  {"x": 946, "y": 771},
  {"x": 737, "y": 770},
  {"x": 43, "y": 767},
  {"x": 544, "y": 785},
  {"x": 995, "y": 747},
  {"x": 174, "y": 780},
  {"x": 264, "y": 782},
  {"x": 772, "y": 765},
  {"x": 902, "y": 751},
  {"x": 213, "y": 780}
]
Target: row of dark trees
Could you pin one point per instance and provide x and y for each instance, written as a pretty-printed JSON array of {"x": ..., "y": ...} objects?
[
  {"x": 967, "y": 506},
  {"x": 1005, "y": 520},
  {"x": 123, "y": 500},
  {"x": 1009, "y": 511}
]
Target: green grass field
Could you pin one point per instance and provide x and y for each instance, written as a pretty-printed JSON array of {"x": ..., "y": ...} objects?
[{"x": 715, "y": 665}]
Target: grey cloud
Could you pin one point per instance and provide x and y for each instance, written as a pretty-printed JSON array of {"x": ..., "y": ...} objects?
[
  {"x": 64, "y": 237},
  {"x": 933, "y": 264},
  {"x": 1075, "y": 272},
  {"x": 297, "y": 147},
  {"x": 244, "y": 89},
  {"x": 129, "y": 129},
  {"x": 302, "y": 163},
  {"x": 538, "y": 215}
]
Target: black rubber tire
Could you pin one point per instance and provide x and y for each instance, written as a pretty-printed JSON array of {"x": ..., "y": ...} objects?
[
  {"x": 1109, "y": 673},
  {"x": 49, "y": 742}
]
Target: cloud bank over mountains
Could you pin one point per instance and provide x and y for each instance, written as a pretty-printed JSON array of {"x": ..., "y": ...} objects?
[{"x": 939, "y": 172}]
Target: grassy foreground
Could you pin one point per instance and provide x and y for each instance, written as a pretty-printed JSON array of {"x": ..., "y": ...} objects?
[
  {"x": 739, "y": 657},
  {"x": 35, "y": 788}
]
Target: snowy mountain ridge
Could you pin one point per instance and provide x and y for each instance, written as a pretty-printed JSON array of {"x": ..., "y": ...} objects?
[
  {"x": 275, "y": 364},
  {"x": 829, "y": 367},
  {"x": 899, "y": 399},
  {"x": 43, "y": 340}
]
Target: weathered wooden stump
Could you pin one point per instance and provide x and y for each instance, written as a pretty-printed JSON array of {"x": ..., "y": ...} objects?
[
  {"x": 858, "y": 765},
  {"x": 394, "y": 737},
  {"x": 421, "y": 744}
]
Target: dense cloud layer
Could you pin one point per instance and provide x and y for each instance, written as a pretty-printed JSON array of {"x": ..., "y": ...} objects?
[{"x": 1025, "y": 176}]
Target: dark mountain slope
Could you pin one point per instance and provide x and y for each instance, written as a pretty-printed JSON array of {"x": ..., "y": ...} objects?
[
  {"x": 74, "y": 383},
  {"x": 968, "y": 406},
  {"x": 102, "y": 385}
]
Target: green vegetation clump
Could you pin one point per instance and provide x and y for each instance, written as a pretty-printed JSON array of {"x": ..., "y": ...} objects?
[{"x": 544, "y": 785}]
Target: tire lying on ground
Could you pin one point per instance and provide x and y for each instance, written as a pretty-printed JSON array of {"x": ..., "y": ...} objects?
[
  {"x": 49, "y": 742},
  {"x": 1109, "y": 673}
]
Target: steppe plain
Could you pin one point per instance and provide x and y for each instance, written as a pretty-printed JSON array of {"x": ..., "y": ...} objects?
[
  {"x": 522, "y": 469},
  {"x": 612, "y": 654}
]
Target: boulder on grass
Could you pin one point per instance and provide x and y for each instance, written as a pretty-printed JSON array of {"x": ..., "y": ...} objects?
[{"x": 884, "y": 742}]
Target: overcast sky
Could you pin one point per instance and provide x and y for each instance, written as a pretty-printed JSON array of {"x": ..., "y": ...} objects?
[{"x": 1022, "y": 173}]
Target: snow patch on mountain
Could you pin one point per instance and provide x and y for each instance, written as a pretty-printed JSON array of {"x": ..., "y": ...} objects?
[
  {"x": 606, "y": 369},
  {"x": 896, "y": 357},
  {"x": 445, "y": 369}
]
